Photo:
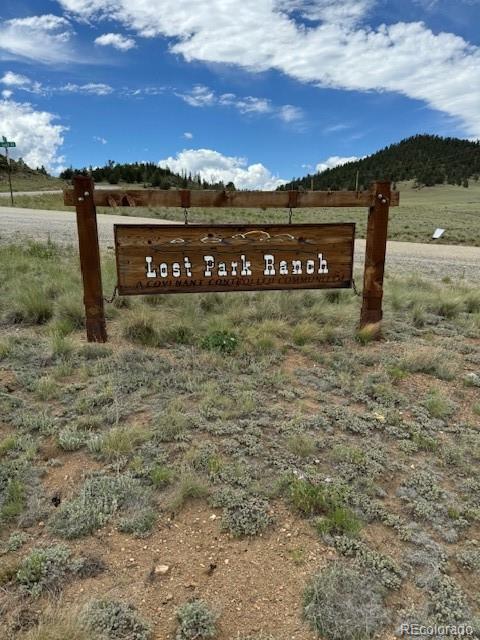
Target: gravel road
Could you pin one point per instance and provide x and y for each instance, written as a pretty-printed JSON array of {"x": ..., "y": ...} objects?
[
  {"x": 6, "y": 194},
  {"x": 427, "y": 260}
]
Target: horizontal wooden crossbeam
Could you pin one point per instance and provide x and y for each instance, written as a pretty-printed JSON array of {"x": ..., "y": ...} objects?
[{"x": 230, "y": 199}]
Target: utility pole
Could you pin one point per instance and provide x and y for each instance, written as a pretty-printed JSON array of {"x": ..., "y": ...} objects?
[
  {"x": 6, "y": 144},
  {"x": 356, "y": 181}
]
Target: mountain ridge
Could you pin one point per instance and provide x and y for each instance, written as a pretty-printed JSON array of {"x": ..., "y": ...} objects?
[{"x": 427, "y": 159}]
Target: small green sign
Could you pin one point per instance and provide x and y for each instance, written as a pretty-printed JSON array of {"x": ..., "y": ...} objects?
[{"x": 7, "y": 143}]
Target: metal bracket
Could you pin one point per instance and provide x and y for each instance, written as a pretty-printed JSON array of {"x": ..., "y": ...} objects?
[
  {"x": 185, "y": 202},
  {"x": 114, "y": 295},
  {"x": 292, "y": 203}
]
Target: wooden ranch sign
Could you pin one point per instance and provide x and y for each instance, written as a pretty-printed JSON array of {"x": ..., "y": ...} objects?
[
  {"x": 159, "y": 258},
  {"x": 196, "y": 258}
]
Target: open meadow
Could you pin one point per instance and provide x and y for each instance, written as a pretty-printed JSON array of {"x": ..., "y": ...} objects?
[
  {"x": 30, "y": 182},
  {"x": 421, "y": 211},
  {"x": 238, "y": 466}
]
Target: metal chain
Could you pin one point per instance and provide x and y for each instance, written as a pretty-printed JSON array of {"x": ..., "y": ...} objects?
[
  {"x": 185, "y": 213},
  {"x": 114, "y": 295},
  {"x": 354, "y": 286}
]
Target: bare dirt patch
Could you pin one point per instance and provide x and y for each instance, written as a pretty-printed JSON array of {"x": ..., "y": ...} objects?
[{"x": 255, "y": 584}]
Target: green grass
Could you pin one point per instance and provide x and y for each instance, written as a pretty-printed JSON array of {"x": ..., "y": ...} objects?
[
  {"x": 421, "y": 211},
  {"x": 30, "y": 182}
]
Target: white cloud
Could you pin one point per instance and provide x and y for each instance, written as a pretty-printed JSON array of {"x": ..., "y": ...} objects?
[
  {"x": 202, "y": 96},
  {"x": 116, "y": 40},
  {"x": 337, "y": 50},
  {"x": 95, "y": 88},
  {"x": 188, "y": 135},
  {"x": 335, "y": 161},
  {"x": 38, "y": 38},
  {"x": 199, "y": 96},
  {"x": 7, "y": 93},
  {"x": 249, "y": 104},
  {"x": 335, "y": 128},
  {"x": 289, "y": 113},
  {"x": 21, "y": 82},
  {"x": 100, "y": 139},
  {"x": 38, "y": 138},
  {"x": 348, "y": 12},
  {"x": 12, "y": 79},
  {"x": 214, "y": 166}
]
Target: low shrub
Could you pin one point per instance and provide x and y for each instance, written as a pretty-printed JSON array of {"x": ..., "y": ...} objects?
[
  {"x": 448, "y": 604},
  {"x": 339, "y": 521},
  {"x": 139, "y": 522},
  {"x": 118, "y": 442},
  {"x": 161, "y": 476},
  {"x": 15, "y": 542},
  {"x": 115, "y": 620},
  {"x": 342, "y": 604},
  {"x": 99, "y": 499},
  {"x": 190, "y": 486},
  {"x": 381, "y": 566},
  {"x": 301, "y": 445},
  {"x": 69, "y": 439},
  {"x": 8, "y": 571},
  {"x": 247, "y": 517},
  {"x": 195, "y": 621},
  {"x": 170, "y": 426},
  {"x": 222, "y": 341},
  {"x": 45, "y": 568},
  {"x": 32, "y": 306},
  {"x": 469, "y": 557},
  {"x": 140, "y": 329},
  {"x": 315, "y": 499},
  {"x": 437, "y": 405},
  {"x": 13, "y": 500}
]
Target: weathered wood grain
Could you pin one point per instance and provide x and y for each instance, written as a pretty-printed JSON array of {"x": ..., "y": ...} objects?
[
  {"x": 90, "y": 259},
  {"x": 375, "y": 252},
  {"x": 147, "y": 255},
  {"x": 230, "y": 199}
]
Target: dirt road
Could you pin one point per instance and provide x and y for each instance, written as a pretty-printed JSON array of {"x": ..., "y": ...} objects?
[
  {"x": 428, "y": 260},
  {"x": 6, "y": 194}
]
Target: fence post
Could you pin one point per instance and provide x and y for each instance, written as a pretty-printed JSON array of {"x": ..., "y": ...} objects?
[
  {"x": 89, "y": 258},
  {"x": 375, "y": 250}
]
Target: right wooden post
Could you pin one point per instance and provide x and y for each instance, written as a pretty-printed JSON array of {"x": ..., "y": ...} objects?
[{"x": 376, "y": 247}]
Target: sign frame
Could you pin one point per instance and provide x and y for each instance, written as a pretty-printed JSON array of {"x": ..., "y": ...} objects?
[
  {"x": 195, "y": 241},
  {"x": 83, "y": 196}
]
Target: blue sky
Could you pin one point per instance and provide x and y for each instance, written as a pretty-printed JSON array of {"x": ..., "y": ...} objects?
[{"x": 257, "y": 91}]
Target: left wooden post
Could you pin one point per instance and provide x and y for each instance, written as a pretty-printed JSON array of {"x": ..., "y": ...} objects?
[{"x": 89, "y": 249}]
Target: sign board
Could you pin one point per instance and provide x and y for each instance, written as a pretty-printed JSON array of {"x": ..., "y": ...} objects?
[
  {"x": 7, "y": 144},
  {"x": 154, "y": 259}
]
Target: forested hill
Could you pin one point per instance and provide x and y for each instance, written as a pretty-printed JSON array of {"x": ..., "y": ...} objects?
[
  {"x": 145, "y": 173},
  {"x": 427, "y": 159},
  {"x": 19, "y": 167}
]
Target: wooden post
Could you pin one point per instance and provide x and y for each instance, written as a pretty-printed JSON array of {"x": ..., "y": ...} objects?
[
  {"x": 89, "y": 258},
  {"x": 376, "y": 246}
]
